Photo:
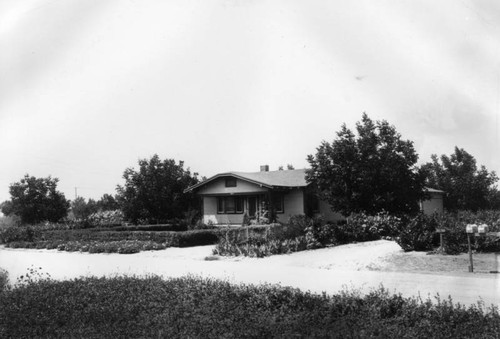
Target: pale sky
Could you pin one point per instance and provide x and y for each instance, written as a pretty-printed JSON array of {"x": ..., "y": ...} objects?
[{"x": 88, "y": 87}]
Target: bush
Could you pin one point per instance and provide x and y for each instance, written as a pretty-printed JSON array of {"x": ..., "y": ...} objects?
[
  {"x": 96, "y": 241},
  {"x": 128, "y": 307},
  {"x": 179, "y": 227},
  {"x": 19, "y": 233},
  {"x": 198, "y": 237},
  {"x": 361, "y": 227},
  {"x": 9, "y": 221},
  {"x": 419, "y": 234},
  {"x": 106, "y": 218},
  {"x": 264, "y": 240},
  {"x": 4, "y": 280}
]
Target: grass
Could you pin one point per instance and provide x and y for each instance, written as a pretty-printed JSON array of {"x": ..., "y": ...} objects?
[{"x": 191, "y": 307}]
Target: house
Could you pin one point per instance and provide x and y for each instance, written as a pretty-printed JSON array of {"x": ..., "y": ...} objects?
[
  {"x": 228, "y": 197},
  {"x": 435, "y": 202}
]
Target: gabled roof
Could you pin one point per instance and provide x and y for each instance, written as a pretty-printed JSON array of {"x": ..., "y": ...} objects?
[{"x": 270, "y": 179}]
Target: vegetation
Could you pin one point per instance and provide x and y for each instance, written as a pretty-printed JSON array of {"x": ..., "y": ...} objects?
[
  {"x": 155, "y": 193},
  {"x": 81, "y": 239},
  {"x": 4, "y": 279},
  {"x": 82, "y": 209},
  {"x": 411, "y": 232},
  {"x": 120, "y": 246},
  {"x": 194, "y": 307},
  {"x": 466, "y": 186},
  {"x": 35, "y": 200},
  {"x": 420, "y": 233},
  {"x": 373, "y": 172}
]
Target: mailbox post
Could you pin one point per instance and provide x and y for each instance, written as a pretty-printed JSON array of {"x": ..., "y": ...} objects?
[
  {"x": 479, "y": 231},
  {"x": 470, "y": 229}
]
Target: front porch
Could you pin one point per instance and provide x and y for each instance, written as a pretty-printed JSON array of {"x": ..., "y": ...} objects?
[{"x": 235, "y": 209}]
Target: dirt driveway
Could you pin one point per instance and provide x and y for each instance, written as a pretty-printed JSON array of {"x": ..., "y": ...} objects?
[{"x": 362, "y": 266}]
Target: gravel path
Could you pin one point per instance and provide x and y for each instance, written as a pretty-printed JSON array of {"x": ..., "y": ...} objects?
[{"x": 363, "y": 266}]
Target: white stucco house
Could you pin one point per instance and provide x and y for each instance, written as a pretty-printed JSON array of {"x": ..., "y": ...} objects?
[{"x": 228, "y": 196}]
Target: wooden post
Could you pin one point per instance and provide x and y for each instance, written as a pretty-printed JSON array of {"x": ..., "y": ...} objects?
[
  {"x": 248, "y": 240},
  {"x": 471, "y": 267}
]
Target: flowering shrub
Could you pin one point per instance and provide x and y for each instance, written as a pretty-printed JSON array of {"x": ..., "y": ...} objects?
[{"x": 106, "y": 218}]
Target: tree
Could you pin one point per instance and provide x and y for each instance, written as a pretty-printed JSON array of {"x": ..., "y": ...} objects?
[
  {"x": 35, "y": 200},
  {"x": 466, "y": 186},
  {"x": 82, "y": 209},
  {"x": 108, "y": 203},
  {"x": 155, "y": 193},
  {"x": 371, "y": 172}
]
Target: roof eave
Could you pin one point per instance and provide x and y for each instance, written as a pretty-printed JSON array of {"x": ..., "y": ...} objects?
[{"x": 229, "y": 174}]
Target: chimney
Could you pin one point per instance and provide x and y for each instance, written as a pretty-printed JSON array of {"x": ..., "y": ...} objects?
[{"x": 264, "y": 168}]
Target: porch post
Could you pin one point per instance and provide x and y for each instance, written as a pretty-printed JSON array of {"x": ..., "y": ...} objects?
[{"x": 270, "y": 207}]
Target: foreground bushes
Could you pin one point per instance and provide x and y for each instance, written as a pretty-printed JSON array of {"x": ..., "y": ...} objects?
[{"x": 192, "y": 307}]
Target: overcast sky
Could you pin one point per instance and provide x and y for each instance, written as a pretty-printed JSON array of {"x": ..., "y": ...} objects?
[{"x": 89, "y": 87}]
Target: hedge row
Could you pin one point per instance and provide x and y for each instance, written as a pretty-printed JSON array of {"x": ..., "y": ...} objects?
[
  {"x": 125, "y": 307},
  {"x": 29, "y": 235},
  {"x": 157, "y": 228},
  {"x": 122, "y": 246}
]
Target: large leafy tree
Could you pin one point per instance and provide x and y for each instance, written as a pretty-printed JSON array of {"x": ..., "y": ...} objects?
[
  {"x": 35, "y": 200},
  {"x": 107, "y": 203},
  {"x": 369, "y": 172},
  {"x": 466, "y": 186},
  {"x": 155, "y": 192},
  {"x": 83, "y": 209}
]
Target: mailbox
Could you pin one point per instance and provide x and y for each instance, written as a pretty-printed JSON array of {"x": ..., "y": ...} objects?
[
  {"x": 482, "y": 229},
  {"x": 471, "y": 228}
]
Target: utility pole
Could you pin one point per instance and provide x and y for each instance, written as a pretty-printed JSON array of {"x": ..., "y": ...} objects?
[{"x": 76, "y": 192}]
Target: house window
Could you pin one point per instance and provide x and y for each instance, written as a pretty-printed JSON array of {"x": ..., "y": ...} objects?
[
  {"x": 230, "y": 182},
  {"x": 278, "y": 202},
  {"x": 230, "y": 205}
]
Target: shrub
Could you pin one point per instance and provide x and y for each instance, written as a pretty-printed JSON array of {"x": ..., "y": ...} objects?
[
  {"x": 157, "y": 228},
  {"x": 419, "y": 234},
  {"x": 4, "y": 280},
  {"x": 264, "y": 240},
  {"x": 198, "y": 237},
  {"x": 191, "y": 307},
  {"x": 106, "y": 218},
  {"x": 362, "y": 227},
  {"x": 9, "y": 221},
  {"x": 19, "y": 233}
]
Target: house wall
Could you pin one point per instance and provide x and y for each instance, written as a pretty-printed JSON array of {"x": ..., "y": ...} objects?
[
  {"x": 326, "y": 212},
  {"x": 294, "y": 204},
  {"x": 218, "y": 187},
  {"x": 210, "y": 213},
  {"x": 432, "y": 205}
]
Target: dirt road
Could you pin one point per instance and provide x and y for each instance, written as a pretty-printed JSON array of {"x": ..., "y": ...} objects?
[{"x": 363, "y": 266}]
